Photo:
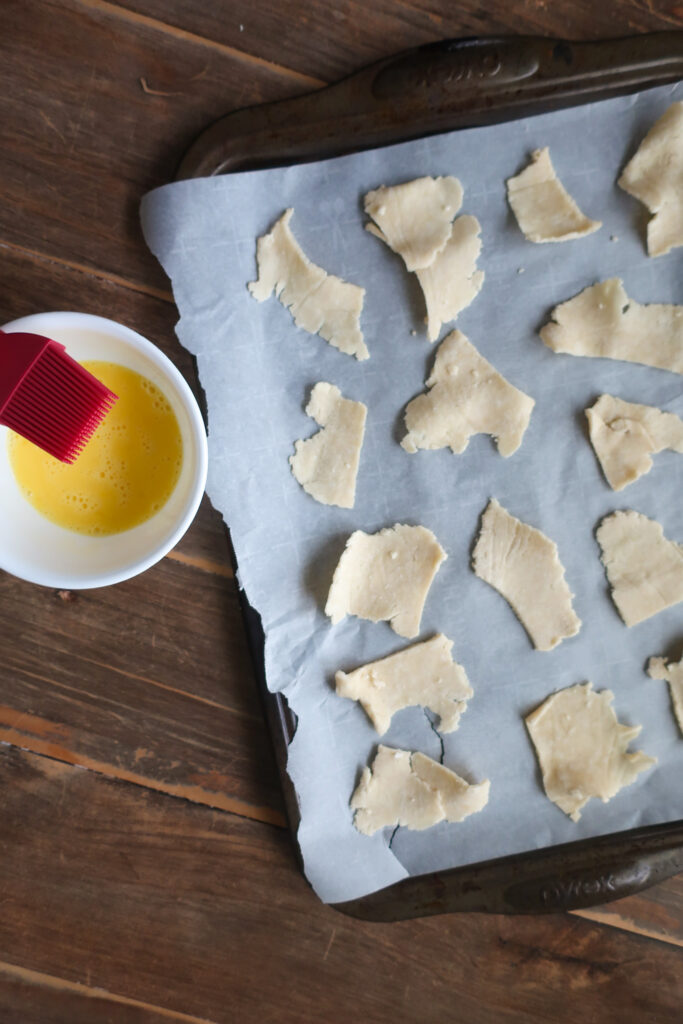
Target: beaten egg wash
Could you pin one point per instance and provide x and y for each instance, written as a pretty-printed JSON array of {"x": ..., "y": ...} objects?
[{"x": 125, "y": 473}]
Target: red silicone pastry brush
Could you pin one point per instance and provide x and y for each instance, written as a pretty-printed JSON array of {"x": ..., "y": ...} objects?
[{"x": 47, "y": 397}]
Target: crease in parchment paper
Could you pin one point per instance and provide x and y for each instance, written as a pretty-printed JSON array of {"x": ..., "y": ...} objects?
[{"x": 257, "y": 369}]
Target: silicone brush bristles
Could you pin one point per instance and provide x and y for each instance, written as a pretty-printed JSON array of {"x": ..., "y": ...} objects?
[{"x": 58, "y": 405}]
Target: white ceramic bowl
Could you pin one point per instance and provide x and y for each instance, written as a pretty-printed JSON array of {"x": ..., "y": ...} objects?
[{"x": 37, "y": 550}]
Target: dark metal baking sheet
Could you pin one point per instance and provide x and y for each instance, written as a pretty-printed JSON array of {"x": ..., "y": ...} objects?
[{"x": 441, "y": 87}]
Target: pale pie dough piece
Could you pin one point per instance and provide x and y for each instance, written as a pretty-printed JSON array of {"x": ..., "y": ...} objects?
[
  {"x": 404, "y": 788},
  {"x": 522, "y": 564},
  {"x": 424, "y": 674},
  {"x": 673, "y": 673},
  {"x": 467, "y": 396},
  {"x": 544, "y": 209},
  {"x": 326, "y": 464},
  {"x": 645, "y": 570},
  {"x": 655, "y": 177},
  {"x": 581, "y": 747},
  {"x": 414, "y": 219},
  {"x": 625, "y": 435},
  {"x": 602, "y": 321},
  {"x": 452, "y": 281},
  {"x": 385, "y": 576},
  {"x": 319, "y": 302}
]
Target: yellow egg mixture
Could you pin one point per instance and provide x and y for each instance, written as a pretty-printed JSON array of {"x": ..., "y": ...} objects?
[{"x": 125, "y": 473}]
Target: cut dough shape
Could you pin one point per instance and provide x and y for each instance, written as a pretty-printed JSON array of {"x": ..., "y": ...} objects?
[
  {"x": 645, "y": 570},
  {"x": 385, "y": 576},
  {"x": 657, "y": 668},
  {"x": 581, "y": 747},
  {"x": 452, "y": 281},
  {"x": 404, "y": 788},
  {"x": 625, "y": 435},
  {"x": 655, "y": 177},
  {"x": 424, "y": 674},
  {"x": 522, "y": 564},
  {"x": 319, "y": 302},
  {"x": 602, "y": 321},
  {"x": 544, "y": 209},
  {"x": 326, "y": 464},
  {"x": 467, "y": 396},
  {"x": 414, "y": 219}
]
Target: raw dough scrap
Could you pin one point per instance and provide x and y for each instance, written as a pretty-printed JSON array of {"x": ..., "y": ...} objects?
[
  {"x": 625, "y": 435},
  {"x": 326, "y": 464},
  {"x": 452, "y": 281},
  {"x": 414, "y": 219},
  {"x": 645, "y": 570},
  {"x": 467, "y": 396},
  {"x": 657, "y": 668},
  {"x": 404, "y": 788},
  {"x": 544, "y": 209},
  {"x": 655, "y": 177},
  {"x": 386, "y": 576},
  {"x": 602, "y": 321},
  {"x": 522, "y": 564},
  {"x": 423, "y": 674},
  {"x": 319, "y": 302},
  {"x": 581, "y": 747}
]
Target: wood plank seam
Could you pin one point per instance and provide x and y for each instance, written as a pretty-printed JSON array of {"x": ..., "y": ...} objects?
[
  {"x": 193, "y": 794},
  {"x": 625, "y": 924},
  {"x": 84, "y": 268},
  {"x": 190, "y": 37},
  {"x": 245, "y": 715},
  {"x": 203, "y": 564},
  {"x": 89, "y": 992}
]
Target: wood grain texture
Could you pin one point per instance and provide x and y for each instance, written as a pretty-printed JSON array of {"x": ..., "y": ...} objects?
[
  {"x": 116, "y": 889},
  {"x": 120, "y": 902},
  {"x": 33, "y": 997},
  {"x": 148, "y": 681},
  {"x": 96, "y": 109},
  {"x": 331, "y": 38}
]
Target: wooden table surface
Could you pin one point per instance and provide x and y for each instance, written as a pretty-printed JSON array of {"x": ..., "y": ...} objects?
[{"x": 145, "y": 870}]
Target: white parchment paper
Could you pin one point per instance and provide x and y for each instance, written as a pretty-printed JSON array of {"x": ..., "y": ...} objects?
[{"x": 257, "y": 370}]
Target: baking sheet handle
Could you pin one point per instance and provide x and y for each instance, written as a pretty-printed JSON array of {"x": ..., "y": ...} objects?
[
  {"x": 568, "y": 877},
  {"x": 453, "y": 84}
]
